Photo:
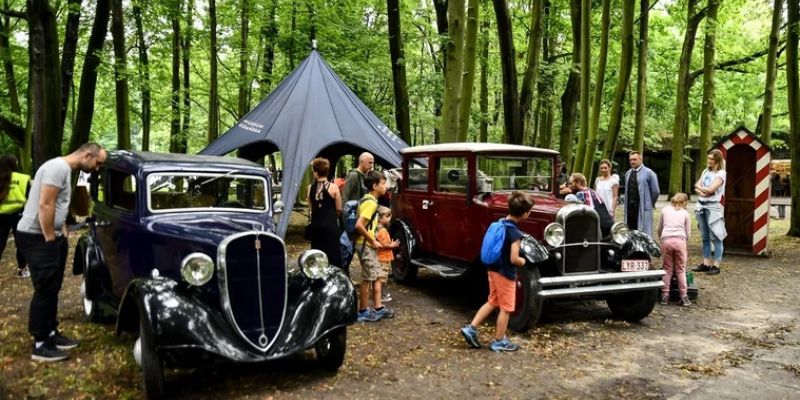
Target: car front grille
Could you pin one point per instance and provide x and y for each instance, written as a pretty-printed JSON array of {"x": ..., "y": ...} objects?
[
  {"x": 252, "y": 279},
  {"x": 581, "y": 229}
]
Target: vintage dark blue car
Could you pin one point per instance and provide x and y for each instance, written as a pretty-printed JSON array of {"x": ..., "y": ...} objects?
[{"x": 182, "y": 251}]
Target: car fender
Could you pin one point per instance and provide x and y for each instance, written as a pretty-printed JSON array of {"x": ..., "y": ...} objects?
[
  {"x": 85, "y": 254},
  {"x": 640, "y": 242},
  {"x": 533, "y": 250},
  {"x": 408, "y": 230}
]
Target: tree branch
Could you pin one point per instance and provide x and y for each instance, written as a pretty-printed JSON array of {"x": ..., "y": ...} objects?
[
  {"x": 636, "y": 22},
  {"x": 557, "y": 56},
  {"x": 14, "y": 13},
  {"x": 728, "y": 65},
  {"x": 13, "y": 130}
]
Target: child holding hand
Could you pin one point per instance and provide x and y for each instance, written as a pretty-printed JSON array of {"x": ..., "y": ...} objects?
[{"x": 386, "y": 253}]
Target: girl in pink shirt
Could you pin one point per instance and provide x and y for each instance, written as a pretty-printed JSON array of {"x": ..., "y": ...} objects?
[{"x": 673, "y": 229}]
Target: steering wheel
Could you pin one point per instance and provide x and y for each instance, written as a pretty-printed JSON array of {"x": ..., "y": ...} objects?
[{"x": 232, "y": 204}]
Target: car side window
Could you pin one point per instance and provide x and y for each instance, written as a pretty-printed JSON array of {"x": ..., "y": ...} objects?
[
  {"x": 417, "y": 174},
  {"x": 452, "y": 175},
  {"x": 121, "y": 190}
]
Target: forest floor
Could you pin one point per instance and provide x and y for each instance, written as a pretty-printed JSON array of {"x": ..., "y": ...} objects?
[{"x": 741, "y": 339}]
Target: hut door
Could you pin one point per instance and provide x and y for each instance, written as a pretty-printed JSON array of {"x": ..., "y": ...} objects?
[{"x": 740, "y": 196}]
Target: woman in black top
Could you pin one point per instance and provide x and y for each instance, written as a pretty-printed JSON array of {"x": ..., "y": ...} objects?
[{"x": 325, "y": 203}]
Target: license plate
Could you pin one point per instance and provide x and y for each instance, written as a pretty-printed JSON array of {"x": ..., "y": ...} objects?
[{"x": 635, "y": 265}]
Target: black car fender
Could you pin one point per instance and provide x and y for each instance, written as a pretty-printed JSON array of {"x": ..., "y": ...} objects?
[
  {"x": 85, "y": 255},
  {"x": 640, "y": 242},
  {"x": 533, "y": 250},
  {"x": 408, "y": 230}
]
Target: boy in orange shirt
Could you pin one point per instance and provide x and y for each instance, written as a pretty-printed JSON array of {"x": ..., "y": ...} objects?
[{"x": 385, "y": 254}]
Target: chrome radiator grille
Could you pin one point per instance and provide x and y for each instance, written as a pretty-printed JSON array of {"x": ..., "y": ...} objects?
[{"x": 581, "y": 229}]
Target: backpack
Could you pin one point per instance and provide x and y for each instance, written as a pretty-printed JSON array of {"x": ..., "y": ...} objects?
[
  {"x": 346, "y": 240},
  {"x": 493, "y": 241}
]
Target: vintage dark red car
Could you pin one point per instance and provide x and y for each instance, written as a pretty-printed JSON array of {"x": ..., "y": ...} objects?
[{"x": 448, "y": 195}]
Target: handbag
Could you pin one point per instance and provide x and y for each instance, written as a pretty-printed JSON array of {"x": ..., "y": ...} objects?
[{"x": 605, "y": 218}]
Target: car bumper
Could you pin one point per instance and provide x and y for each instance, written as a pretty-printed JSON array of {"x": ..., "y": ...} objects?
[{"x": 597, "y": 284}]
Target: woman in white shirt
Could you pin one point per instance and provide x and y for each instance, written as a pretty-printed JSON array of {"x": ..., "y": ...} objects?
[
  {"x": 710, "y": 214},
  {"x": 607, "y": 187}
]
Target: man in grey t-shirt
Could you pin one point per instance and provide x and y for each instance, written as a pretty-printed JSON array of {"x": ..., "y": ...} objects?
[{"x": 42, "y": 237}]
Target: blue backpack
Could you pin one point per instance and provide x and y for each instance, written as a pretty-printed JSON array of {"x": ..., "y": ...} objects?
[{"x": 493, "y": 241}]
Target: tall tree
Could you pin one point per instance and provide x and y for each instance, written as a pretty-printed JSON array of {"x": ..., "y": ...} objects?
[
  {"x": 586, "y": 82},
  {"x": 186, "y": 44},
  {"x": 244, "y": 59},
  {"x": 68, "y": 53},
  {"x": 454, "y": 67},
  {"x": 213, "y": 92},
  {"x": 269, "y": 33},
  {"x": 765, "y": 126},
  {"x": 483, "y": 102},
  {"x": 46, "y": 84},
  {"x": 144, "y": 75},
  {"x": 175, "y": 139},
  {"x": 680, "y": 125},
  {"x": 793, "y": 91},
  {"x": 11, "y": 127},
  {"x": 511, "y": 118},
  {"x": 545, "y": 86},
  {"x": 120, "y": 76},
  {"x": 641, "y": 77},
  {"x": 599, "y": 83},
  {"x": 468, "y": 76},
  {"x": 91, "y": 61},
  {"x": 526, "y": 91},
  {"x": 398, "y": 58},
  {"x": 625, "y": 65},
  {"x": 707, "y": 109},
  {"x": 569, "y": 99}
]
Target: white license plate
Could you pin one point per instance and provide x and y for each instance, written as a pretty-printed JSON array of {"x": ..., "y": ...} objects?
[{"x": 635, "y": 265}]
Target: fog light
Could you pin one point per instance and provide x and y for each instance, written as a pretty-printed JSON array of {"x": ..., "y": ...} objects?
[
  {"x": 557, "y": 256},
  {"x": 611, "y": 253}
]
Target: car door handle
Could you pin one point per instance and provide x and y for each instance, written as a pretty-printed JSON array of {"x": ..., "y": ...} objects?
[
  {"x": 426, "y": 204},
  {"x": 103, "y": 223}
]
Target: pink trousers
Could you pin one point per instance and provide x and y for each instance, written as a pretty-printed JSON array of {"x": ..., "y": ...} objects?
[{"x": 674, "y": 255}]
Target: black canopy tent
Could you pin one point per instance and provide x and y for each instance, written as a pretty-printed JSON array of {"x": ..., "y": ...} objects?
[{"x": 311, "y": 113}]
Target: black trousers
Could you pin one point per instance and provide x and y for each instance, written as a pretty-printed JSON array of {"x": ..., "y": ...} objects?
[
  {"x": 47, "y": 261},
  {"x": 8, "y": 223}
]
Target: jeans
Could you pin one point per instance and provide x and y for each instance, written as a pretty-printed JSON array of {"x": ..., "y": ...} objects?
[
  {"x": 707, "y": 237},
  {"x": 8, "y": 223},
  {"x": 674, "y": 255},
  {"x": 47, "y": 261}
]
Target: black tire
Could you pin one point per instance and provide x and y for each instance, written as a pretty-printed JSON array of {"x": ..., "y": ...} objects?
[
  {"x": 152, "y": 364},
  {"x": 90, "y": 290},
  {"x": 331, "y": 349},
  {"x": 528, "y": 302},
  {"x": 633, "y": 306},
  {"x": 403, "y": 270}
]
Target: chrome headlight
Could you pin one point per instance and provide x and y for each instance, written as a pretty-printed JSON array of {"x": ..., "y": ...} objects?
[
  {"x": 554, "y": 234},
  {"x": 197, "y": 269},
  {"x": 314, "y": 264},
  {"x": 620, "y": 233}
]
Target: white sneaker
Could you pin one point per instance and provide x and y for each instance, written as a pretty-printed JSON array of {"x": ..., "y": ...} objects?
[
  {"x": 386, "y": 298},
  {"x": 23, "y": 273}
]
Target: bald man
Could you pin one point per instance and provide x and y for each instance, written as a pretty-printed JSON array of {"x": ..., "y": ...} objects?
[{"x": 354, "y": 188}]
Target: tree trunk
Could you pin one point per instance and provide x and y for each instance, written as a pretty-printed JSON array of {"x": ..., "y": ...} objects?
[
  {"x": 545, "y": 85},
  {"x": 599, "y": 83},
  {"x": 586, "y": 83},
  {"x": 511, "y": 117},
  {"x": 47, "y": 131},
  {"x": 483, "y": 131},
  {"x": 792, "y": 36},
  {"x": 682, "y": 102},
  {"x": 625, "y": 65},
  {"x": 531, "y": 71},
  {"x": 86, "y": 91},
  {"x": 68, "y": 57},
  {"x": 398, "y": 58},
  {"x": 244, "y": 57},
  {"x": 468, "y": 77},
  {"x": 8, "y": 65},
  {"x": 213, "y": 92},
  {"x": 707, "y": 109},
  {"x": 187, "y": 99},
  {"x": 120, "y": 77},
  {"x": 175, "y": 117},
  {"x": 270, "y": 34},
  {"x": 440, "y": 7},
  {"x": 641, "y": 77},
  {"x": 144, "y": 75},
  {"x": 292, "y": 30},
  {"x": 454, "y": 67},
  {"x": 765, "y": 125},
  {"x": 569, "y": 99}
]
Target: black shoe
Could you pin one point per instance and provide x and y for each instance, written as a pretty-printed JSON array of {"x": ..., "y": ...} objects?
[
  {"x": 702, "y": 268},
  {"x": 62, "y": 342},
  {"x": 714, "y": 270},
  {"x": 47, "y": 352}
]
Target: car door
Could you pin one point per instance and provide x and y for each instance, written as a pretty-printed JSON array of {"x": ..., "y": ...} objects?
[
  {"x": 416, "y": 199},
  {"x": 450, "y": 223}
]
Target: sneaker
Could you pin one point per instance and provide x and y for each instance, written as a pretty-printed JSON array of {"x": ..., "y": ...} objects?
[
  {"x": 503, "y": 345},
  {"x": 664, "y": 299},
  {"x": 62, "y": 342},
  {"x": 385, "y": 312},
  {"x": 471, "y": 336},
  {"x": 386, "y": 298},
  {"x": 369, "y": 315},
  {"x": 685, "y": 302},
  {"x": 48, "y": 352},
  {"x": 714, "y": 270},
  {"x": 701, "y": 268},
  {"x": 23, "y": 273}
]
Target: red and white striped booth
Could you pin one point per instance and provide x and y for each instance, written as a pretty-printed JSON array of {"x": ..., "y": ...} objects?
[{"x": 747, "y": 193}]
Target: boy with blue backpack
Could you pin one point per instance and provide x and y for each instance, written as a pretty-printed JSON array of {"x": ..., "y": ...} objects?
[{"x": 500, "y": 253}]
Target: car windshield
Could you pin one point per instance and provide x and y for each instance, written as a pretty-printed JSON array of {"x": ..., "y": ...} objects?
[
  {"x": 193, "y": 191},
  {"x": 497, "y": 173}
]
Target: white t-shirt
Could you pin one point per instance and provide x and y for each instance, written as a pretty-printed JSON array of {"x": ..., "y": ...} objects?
[
  {"x": 707, "y": 179},
  {"x": 605, "y": 189}
]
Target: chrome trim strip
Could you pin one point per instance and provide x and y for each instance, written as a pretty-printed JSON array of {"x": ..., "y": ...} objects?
[
  {"x": 604, "y": 289},
  {"x": 607, "y": 277},
  {"x": 223, "y": 284}
]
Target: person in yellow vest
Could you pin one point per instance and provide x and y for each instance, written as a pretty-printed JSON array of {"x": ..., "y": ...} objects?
[{"x": 14, "y": 189}]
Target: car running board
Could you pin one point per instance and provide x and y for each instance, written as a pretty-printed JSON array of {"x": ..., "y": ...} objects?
[{"x": 445, "y": 269}]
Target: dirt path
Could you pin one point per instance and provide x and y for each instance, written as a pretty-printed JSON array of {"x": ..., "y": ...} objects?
[{"x": 740, "y": 340}]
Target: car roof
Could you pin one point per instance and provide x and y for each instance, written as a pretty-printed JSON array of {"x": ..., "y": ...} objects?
[
  {"x": 143, "y": 159},
  {"x": 475, "y": 148}
]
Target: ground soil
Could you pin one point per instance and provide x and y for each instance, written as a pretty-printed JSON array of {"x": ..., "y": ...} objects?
[{"x": 741, "y": 339}]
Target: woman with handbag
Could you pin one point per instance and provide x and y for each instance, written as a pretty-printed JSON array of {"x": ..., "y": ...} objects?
[
  {"x": 325, "y": 204},
  {"x": 577, "y": 182}
]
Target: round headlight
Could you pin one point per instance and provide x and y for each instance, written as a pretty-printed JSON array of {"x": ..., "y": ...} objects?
[
  {"x": 554, "y": 234},
  {"x": 314, "y": 264},
  {"x": 620, "y": 233},
  {"x": 197, "y": 269}
]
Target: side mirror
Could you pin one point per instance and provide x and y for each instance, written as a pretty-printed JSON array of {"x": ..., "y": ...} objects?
[{"x": 277, "y": 207}]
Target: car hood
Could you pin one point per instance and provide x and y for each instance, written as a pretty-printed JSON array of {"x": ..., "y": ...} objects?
[
  {"x": 209, "y": 229},
  {"x": 544, "y": 203}
]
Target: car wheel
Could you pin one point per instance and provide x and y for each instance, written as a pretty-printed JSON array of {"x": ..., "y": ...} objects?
[
  {"x": 331, "y": 349},
  {"x": 151, "y": 363},
  {"x": 528, "y": 302},
  {"x": 402, "y": 268},
  {"x": 89, "y": 293},
  {"x": 633, "y": 306}
]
